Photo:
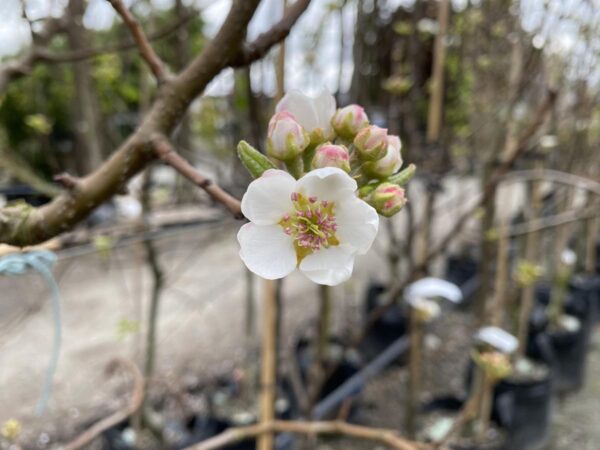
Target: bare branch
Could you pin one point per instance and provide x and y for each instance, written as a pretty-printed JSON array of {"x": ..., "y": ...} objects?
[
  {"x": 278, "y": 32},
  {"x": 21, "y": 226},
  {"x": 386, "y": 437},
  {"x": 169, "y": 156},
  {"x": 146, "y": 51},
  {"x": 67, "y": 180},
  {"x": 137, "y": 397}
]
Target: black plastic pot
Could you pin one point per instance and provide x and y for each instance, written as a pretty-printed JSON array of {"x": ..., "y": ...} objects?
[
  {"x": 566, "y": 351},
  {"x": 524, "y": 410},
  {"x": 585, "y": 289},
  {"x": 464, "y": 272},
  {"x": 392, "y": 324}
]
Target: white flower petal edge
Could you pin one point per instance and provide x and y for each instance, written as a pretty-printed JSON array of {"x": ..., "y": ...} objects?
[
  {"x": 267, "y": 250},
  {"x": 311, "y": 113},
  {"x": 328, "y": 183},
  {"x": 330, "y": 266},
  {"x": 357, "y": 223},
  {"x": 268, "y": 197},
  {"x": 301, "y": 107},
  {"x": 325, "y": 108}
]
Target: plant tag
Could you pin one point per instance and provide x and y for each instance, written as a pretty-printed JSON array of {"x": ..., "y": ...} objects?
[
  {"x": 498, "y": 338},
  {"x": 433, "y": 287}
]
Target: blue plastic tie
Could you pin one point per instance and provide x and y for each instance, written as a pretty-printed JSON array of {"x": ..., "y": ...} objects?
[{"x": 41, "y": 261}]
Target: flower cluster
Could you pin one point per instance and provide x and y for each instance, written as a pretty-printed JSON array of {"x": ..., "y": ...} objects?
[{"x": 322, "y": 212}]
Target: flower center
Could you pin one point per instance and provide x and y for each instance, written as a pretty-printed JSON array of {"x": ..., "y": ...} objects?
[{"x": 312, "y": 224}]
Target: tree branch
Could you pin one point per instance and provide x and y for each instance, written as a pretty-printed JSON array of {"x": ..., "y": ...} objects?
[
  {"x": 262, "y": 44},
  {"x": 385, "y": 437},
  {"x": 23, "y": 225},
  {"x": 154, "y": 62},
  {"x": 169, "y": 156}
]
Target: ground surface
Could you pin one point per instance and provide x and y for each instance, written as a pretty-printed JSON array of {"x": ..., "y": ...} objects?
[{"x": 201, "y": 334}]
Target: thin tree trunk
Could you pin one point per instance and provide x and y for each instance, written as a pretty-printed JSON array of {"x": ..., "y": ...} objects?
[{"x": 85, "y": 109}]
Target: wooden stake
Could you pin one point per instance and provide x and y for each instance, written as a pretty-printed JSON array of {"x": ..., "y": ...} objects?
[
  {"x": 268, "y": 376},
  {"x": 415, "y": 369},
  {"x": 591, "y": 236},
  {"x": 434, "y": 117},
  {"x": 502, "y": 269},
  {"x": 531, "y": 255},
  {"x": 324, "y": 325}
]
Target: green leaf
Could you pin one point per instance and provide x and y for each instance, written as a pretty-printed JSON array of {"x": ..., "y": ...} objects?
[
  {"x": 253, "y": 160},
  {"x": 403, "y": 177}
]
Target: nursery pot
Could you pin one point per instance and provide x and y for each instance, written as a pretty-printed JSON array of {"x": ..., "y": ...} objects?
[
  {"x": 523, "y": 408},
  {"x": 392, "y": 325},
  {"x": 585, "y": 289},
  {"x": 463, "y": 271},
  {"x": 565, "y": 351}
]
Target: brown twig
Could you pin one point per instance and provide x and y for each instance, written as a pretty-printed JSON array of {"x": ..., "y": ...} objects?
[
  {"x": 169, "y": 156},
  {"x": 136, "y": 400},
  {"x": 67, "y": 181},
  {"x": 382, "y": 436},
  {"x": 145, "y": 48}
]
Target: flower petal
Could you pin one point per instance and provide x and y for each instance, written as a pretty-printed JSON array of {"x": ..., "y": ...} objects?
[
  {"x": 267, "y": 250},
  {"x": 301, "y": 107},
  {"x": 330, "y": 266},
  {"x": 327, "y": 183},
  {"x": 324, "y": 106},
  {"x": 268, "y": 197},
  {"x": 357, "y": 224}
]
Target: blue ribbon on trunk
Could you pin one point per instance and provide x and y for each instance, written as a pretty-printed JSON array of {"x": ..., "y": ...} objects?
[{"x": 42, "y": 262}]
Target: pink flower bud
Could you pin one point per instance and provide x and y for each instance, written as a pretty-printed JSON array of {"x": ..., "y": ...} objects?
[
  {"x": 387, "y": 199},
  {"x": 329, "y": 155},
  {"x": 389, "y": 164},
  {"x": 349, "y": 120},
  {"x": 371, "y": 143},
  {"x": 286, "y": 139}
]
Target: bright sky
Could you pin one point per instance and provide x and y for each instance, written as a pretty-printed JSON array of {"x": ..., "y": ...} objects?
[{"x": 559, "y": 37}]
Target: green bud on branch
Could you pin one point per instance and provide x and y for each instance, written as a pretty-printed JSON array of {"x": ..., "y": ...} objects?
[{"x": 254, "y": 161}]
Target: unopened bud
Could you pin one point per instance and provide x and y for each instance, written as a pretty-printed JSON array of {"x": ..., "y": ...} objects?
[
  {"x": 349, "y": 120},
  {"x": 425, "y": 310},
  {"x": 389, "y": 164},
  {"x": 286, "y": 139},
  {"x": 387, "y": 199},
  {"x": 496, "y": 365},
  {"x": 371, "y": 143},
  {"x": 330, "y": 155}
]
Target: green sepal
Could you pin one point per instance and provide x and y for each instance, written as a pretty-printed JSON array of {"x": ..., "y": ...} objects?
[
  {"x": 404, "y": 176},
  {"x": 254, "y": 161}
]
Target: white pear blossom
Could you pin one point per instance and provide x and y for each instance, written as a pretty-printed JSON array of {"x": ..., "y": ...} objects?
[
  {"x": 314, "y": 114},
  {"x": 316, "y": 224}
]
